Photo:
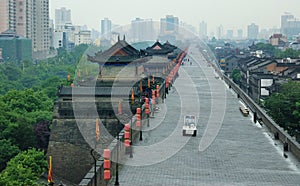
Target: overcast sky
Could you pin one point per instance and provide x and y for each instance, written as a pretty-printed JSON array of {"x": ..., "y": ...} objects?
[{"x": 232, "y": 14}]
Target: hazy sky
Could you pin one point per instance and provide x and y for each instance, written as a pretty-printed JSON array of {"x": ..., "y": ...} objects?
[{"x": 232, "y": 14}]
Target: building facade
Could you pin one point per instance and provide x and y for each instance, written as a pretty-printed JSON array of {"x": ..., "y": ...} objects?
[
  {"x": 30, "y": 19},
  {"x": 83, "y": 37},
  {"x": 203, "y": 30},
  {"x": 106, "y": 27},
  {"x": 278, "y": 40},
  {"x": 169, "y": 24},
  {"x": 290, "y": 26},
  {"x": 16, "y": 15},
  {"x": 142, "y": 30},
  {"x": 62, "y": 17},
  {"x": 41, "y": 35},
  {"x": 239, "y": 34},
  {"x": 252, "y": 31},
  {"x": 15, "y": 48},
  {"x": 220, "y": 32}
]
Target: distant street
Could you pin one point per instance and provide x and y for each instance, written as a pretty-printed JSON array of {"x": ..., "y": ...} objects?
[{"x": 241, "y": 153}]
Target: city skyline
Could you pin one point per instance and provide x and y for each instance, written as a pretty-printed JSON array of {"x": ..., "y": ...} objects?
[{"x": 230, "y": 13}]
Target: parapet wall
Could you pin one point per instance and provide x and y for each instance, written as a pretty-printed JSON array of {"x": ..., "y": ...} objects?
[
  {"x": 289, "y": 143},
  {"x": 89, "y": 178}
]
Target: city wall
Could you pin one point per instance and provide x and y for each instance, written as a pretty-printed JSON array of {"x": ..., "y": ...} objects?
[{"x": 290, "y": 144}]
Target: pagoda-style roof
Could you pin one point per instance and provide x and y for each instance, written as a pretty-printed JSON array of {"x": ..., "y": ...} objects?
[
  {"x": 121, "y": 53},
  {"x": 169, "y": 45},
  {"x": 158, "y": 49}
]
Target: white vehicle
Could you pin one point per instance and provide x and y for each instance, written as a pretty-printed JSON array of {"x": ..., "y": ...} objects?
[{"x": 189, "y": 128}]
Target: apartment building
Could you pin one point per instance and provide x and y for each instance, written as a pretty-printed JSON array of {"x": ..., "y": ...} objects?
[{"x": 30, "y": 19}]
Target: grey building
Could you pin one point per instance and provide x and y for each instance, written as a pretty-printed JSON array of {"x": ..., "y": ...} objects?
[
  {"x": 106, "y": 27},
  {"x": 203, "y": 30},
  {"x": 252, "y": 31},
  {"x": 290, "y": 26},
  {"x": 62, "y": 17}
]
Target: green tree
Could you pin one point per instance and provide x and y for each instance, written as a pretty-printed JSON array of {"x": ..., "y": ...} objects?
[
  {"x": 27, "y": 101},
  {"x": 266, "y": 47},
  {"x": 24, "y": 169},
  {"x": 21, "y": 110},
  {"x": 236, "y": 75},
  {"x": 284, "y": 107},
  {"x": 7, "y": 151}
]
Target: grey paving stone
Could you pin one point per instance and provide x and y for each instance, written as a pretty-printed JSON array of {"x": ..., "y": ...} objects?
[{"x": 241, "y": 154}]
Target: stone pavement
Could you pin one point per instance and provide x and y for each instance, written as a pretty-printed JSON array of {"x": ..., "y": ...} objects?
[{"x": 229, "y": 148}]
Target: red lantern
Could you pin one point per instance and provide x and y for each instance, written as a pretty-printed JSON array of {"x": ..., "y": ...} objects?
[
  {"x": 127, "y": 143},
  {"x": 106, "y": 154},
  {"x": 138, "y": 117},
  {"x": 138, "y": 110},
  {"x": 138, "y": 123},
  {"x": 106, "y": 174},
  {"x": 127, "y": 134},
  {"x": 127, "y": 127},
  {"x": 106, "y": 164},
  {"x": 147, "y": 111}
]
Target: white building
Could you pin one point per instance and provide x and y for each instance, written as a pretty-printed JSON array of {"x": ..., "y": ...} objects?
[
  {"x": 142, "y": 30},
  {"x": 58, "y": 39},
  {"x": 83, "y": 37},
  {"x": 106, "y": 26}
]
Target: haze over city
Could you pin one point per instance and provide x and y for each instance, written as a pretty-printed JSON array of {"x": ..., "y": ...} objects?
[
  {"x": 232, "y": 14},
  {"x": 135, "y": 92}
]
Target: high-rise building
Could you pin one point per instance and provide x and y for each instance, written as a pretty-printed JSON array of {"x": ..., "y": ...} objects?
[
  {"x": 62, "y": 17},
  {"x": 229, "y": 34},
  {"x": 40, "y": 28},
  {"x": 239, "y": 33},
  {"x": 106, "y": 27},
  {"x": 16, "y": 15},
  {"x": 27, "y": 18},
  {"x": 290, "y": 26},
  {"x": 252, "y": 31},
  {"x": 203, "y": 30},
  {"x": 220, "y": 32},
  {"x": 4, "y": 15},
  {"x": 169, "y": 24},
  {"x": 142, "y": 30}
]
